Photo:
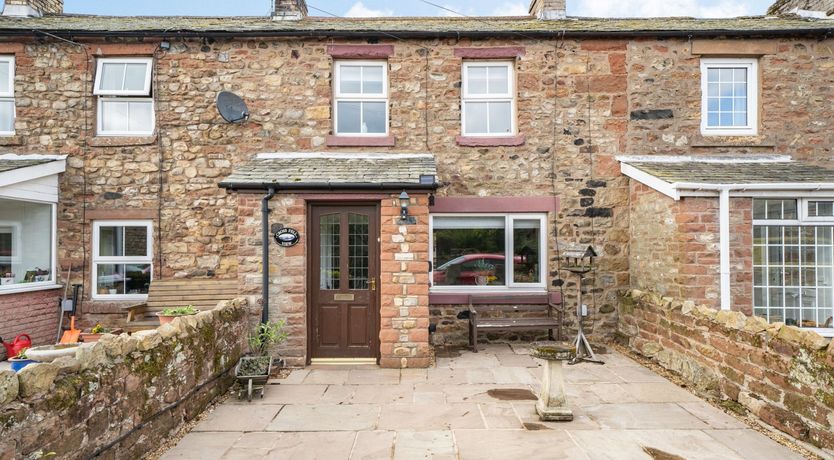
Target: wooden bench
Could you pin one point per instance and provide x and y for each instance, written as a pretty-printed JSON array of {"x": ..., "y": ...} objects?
[
  {"x": 202, "y": 293},
  {"x": 482, "y": 303}
]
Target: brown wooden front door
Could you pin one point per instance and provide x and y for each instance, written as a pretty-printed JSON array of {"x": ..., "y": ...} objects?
[{"x": 344, "y": 271}]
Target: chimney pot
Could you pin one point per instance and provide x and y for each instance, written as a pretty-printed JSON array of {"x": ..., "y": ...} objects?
[
  {"x": 33, "y": 8},
  {"x": 548, "y": 9},
  {"x": 289, "y": 10}
]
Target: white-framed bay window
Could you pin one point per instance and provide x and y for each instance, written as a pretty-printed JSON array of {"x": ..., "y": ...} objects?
[
  {"x": 125, "y": 104},
  {"x": 729, "y": 97},
  {"x": 7, "y": 103},
  {"x": 360, "y": 95},
  {"x": 488, "y": 252},
  {"x": 28, "y": 238},
  {"x": 122, "y": 259},
  {"x": 793, "y": 262},
  {"x": 489, "y": 99}
]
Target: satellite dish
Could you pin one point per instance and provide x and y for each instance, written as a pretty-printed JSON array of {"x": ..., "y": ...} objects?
[{"x": 231, "y": 107}]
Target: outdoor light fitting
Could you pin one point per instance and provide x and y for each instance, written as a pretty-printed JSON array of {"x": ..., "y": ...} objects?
[{"x": 404, "y": 202}]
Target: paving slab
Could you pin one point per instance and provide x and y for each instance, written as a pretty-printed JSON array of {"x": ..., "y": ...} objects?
[
  {"x": 235, "y": 417},
  {"x": 328, "y": 376},
  {"x": 636, "y": 374},
  {"x": 373, "y": 377},
  {"x": 631, "y": 444},
  {"x": 526, "y": 412},
  {"x": 750, "y": 444},
  {"x": 430, "y": 417},
  {"x": 514, "y": 360},
  {"x": 288, "y": 394},
  {"x": 645, "y": 416},
  {"x": 331, "y": 417},
  {"x": 516, "y": 444},
  {"x": 413, "y": 375},
  {"x": 202, "y": 446},
  {"x": 713, "y": 417},
  {"x": 415, "y": 445},
  {"x": 246, "y": 453},
  {"x": 296, "y": 377},
  {"x": 373, "y": 445},
  {"x": 313, "y": 446},
  {"x": 500, "y": 416},
  {"x": 382, "y": 394}
]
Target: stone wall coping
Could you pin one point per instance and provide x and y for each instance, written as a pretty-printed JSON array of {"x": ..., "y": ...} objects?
[
  {"x": 804, "y": 338},
  {"x": 37, "y": 379}
]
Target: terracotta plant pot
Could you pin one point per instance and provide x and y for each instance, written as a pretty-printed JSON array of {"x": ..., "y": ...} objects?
[
  {"x": 88, "y": 337},
  {"x": 165, "y": 319}
]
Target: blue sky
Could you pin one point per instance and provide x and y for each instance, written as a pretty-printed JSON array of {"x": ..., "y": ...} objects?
[{"x": 609, "y": 8}]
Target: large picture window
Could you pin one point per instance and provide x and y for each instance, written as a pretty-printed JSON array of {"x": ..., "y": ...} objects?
[
  {"x": 488, "y": 99},
  {"x": 491, "y": 251},
  {"x": 361, "y": 98},
  {"x": 793, "y": 263},
  {"x": 27, "y": 232},
  {"x": 125, "y": 105},
  {"x": 122, "y": 259}
]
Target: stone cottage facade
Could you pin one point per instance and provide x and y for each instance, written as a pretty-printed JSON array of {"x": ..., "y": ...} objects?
[{"x": 506, "y": 135}]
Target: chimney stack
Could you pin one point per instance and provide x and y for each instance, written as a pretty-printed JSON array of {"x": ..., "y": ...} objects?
[
  {"x": 548, "y": 9},
  {"x": 33, "y": 8},
  {"x": 289, "y": 10}
]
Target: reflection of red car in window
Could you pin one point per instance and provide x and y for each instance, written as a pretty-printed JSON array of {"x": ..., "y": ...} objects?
[{"x": 464, "y": 270}]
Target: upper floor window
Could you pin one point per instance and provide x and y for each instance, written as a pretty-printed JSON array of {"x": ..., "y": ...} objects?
[
  {"x": 793, "y": 262},
  {"x": 7, "y": 106},
  {"x": 488, "y": 99},
  {"x": 729, "y": 97},
  {"x": 361, "y": 98},
  {"x": 125, "y": 105}
]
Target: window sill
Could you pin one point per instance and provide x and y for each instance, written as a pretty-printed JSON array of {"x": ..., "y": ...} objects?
[
  {"x": 21, "y": 289},
  {"x": 486, "y": 141},
  {"x": 732, "y": 140},
  {"x": 460, "y": 296},
  {"x": 360, "y": 141},
  {"x": 121, "y": 141},
  {"x": 10, "y": 139},
  {"x": 119, "y": 298}
]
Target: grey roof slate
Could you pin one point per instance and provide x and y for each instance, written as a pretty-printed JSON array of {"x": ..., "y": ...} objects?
[
  {"x": 736, "y": 173},
  {"x": 333, "y": 170},
  {"x": 80, "y": 25},
  {"x": 9, "y": 165}
]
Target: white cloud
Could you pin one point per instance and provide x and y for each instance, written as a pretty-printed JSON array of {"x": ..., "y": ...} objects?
[
  {"x": 511, "y": 9},
  {"x": 359, "y": 10},
  {"x": 658, "y": 8}
]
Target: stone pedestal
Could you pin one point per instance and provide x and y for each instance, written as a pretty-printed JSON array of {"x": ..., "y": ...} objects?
[{"x": 553, "y": 401}]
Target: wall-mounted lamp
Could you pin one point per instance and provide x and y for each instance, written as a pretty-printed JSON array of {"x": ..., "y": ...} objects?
[{"x": 405, "y": 200}]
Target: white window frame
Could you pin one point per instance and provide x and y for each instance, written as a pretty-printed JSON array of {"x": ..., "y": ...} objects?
[
  {"x": 145, "y": 91},
  {"x": 752, "y": 66},
  {"x": 7, "y": 94},
  {"x": 143, "y": 95},
  {"x": 97, "y": 259},
  {"x": 802, "y": 220},
  {"x": 338, "y": 96},
  {"x": 52, "y": 281},
  {"x": 511, "y": 285},
  {"x": 510, "y": 97}
]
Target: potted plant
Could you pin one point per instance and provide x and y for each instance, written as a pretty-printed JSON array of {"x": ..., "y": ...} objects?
[
  {"x": 96, "y": 332},
  {"x": 7, "y": 278},
  {"x": 253, "y": 371},
  {"x": 484, "y": 272},
  {"x": 20, "y": 360},
  {"x": 167, "y": 315}
]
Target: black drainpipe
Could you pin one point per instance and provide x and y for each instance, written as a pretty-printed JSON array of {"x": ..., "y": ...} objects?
[{"x": 265, "y": 260}]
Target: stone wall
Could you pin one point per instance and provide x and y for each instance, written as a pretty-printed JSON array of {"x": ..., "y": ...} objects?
[
  {"x": 782, "y": 374},
  {"x": 675, "y": 247},
  {"x": 122, "y": 395},
  {"x": 34, "y": 313}
]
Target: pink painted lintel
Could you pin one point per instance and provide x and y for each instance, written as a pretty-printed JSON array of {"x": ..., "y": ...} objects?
[
  {"x": 360, "y": 51},
  {"x": 505, "y": 52},
  {"x": 360, "y": 141},
  {"x": 468, "y": 204},
  {"x": 475, "y": 141}
]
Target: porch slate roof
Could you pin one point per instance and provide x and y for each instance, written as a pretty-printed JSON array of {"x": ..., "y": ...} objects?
[
  {"x": 339, "y": 170},
  {"x": 80, "y": 25},
  {"x": 9, "y": 164},
  {"x": 758, "y": 169}
]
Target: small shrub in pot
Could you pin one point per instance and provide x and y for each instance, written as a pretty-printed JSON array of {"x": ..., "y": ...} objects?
[{"x": 167, "y": 315}]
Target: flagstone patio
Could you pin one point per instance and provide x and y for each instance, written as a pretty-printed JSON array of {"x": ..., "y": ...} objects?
[{"x": 452, "y": 411}]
